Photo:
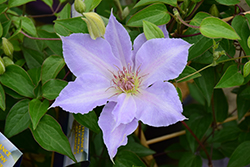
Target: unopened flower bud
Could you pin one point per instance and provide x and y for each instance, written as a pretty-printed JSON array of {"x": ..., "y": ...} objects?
[
  {"x": 7, "y": 47},
  {"x": 125, "y": 12},
  {"x": 214, "y": 11},
  {"x": 2, "y": 67},
  {"x": 95, "y": 24},
  {"x": 7, "y": 61},
  {"x": 80, "y": 6}
]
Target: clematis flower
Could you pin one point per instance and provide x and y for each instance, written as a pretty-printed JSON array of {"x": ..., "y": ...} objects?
[{"x": 130, "y": 83}]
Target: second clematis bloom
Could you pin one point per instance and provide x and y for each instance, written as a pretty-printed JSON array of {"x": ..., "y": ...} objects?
[{"x": 129, "y": 82}]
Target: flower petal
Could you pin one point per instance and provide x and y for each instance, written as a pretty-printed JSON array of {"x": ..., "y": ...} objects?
[
  {"x": 161, "y": 59},
  {"x": 114, "y": 138},
  {"x": 141, "y": 39},
  {"x": 85, "y": 55},
  {"x": 118, "y": 38},
  {"x": 159, "y": 105},
  {"x": 84, "y": 94},
  {"x": 124, "y": 111}
]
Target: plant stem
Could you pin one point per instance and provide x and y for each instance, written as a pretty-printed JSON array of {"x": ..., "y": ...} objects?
[
  {"x": 202, "y": 146},
  {"x": 210, "y": 65},
  {"x": 186, "y": 24},
  {"x": 49, "y": 39}
]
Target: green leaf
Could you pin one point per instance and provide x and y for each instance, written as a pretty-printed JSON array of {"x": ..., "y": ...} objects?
[
  {"x": 33, "y": 58},
  {"x": 65, "y": 12},
  {"x": 196, "y": 93},
  {"x": 35, "y": 75},
  {"x": 2, "y": 1},
  {"x": 206, "y": 83},
  {"x": 26, "y": 24},
  {"x": 147, "y": 2},
  {"x": 89, "y": 120},
  {"x": 137, "y": 148},
  {"x": 48, "y": 2},
  {"x": 1, "y": 30},
  {"x": 36, "y": 110},
  {"x": 220, "y": 105},
  {"x": 187, "y": 71},
  {"x": 18, "y": 118},
  {"x": 51, "y": 67},
  {"x": 152, "y": 31},
  {"x": 230, "y": 78},
  {"x": 245, "y": 94},
  {"x": 51, "y": 137},
  {"x": 17, "y": 79},
  {"x": 155, "y": 13},
  {"x": 240, "y": 24},
  {"x": 128, "y": 159},
  {"x": 66, "y": 27},
  {"x": 190, "y": 160},
  {"x": 52, "y": 88},
  {"x": 248, "y": 41},
  {"x": 2, "y": 98},
  {"x": 55, "y": 46},
  {"x": 175, "y": 151},
  {"x": 228, "y": 133},
  {"x": 246, "y": 69},
  {"x": 241, "y": 155},
  {"x": 14, "y": 3},
  {"x": 6, "y": 27},
  {"x": 213, "y": 27},
  {"x": 91, "y": 4},
  {"x": 228, "y": 2},
  {"x": 243, "y": 106}
]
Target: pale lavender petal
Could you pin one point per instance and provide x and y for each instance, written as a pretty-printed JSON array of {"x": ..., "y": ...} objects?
[
  {"x": 159, "y": 105},
  {"x": 124, "y": 111},
  {"x": 119, "y": 40},
  {"x": 84, "y": 94},
  {"x": 114, "y": 138},
  {"x": 161, "y": 59},
  {"x": 164, "y": 30},
  {"x": 141, "y": 39},
  {"x": 84, "y": 55}
]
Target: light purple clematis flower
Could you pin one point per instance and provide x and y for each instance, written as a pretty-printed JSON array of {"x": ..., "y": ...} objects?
[{"x": 131, "y": 81}]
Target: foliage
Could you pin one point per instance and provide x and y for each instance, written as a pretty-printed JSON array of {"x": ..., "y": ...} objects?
[{"x": 33, "y": 73}]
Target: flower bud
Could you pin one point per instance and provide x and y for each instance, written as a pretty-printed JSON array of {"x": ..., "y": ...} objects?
[
  {"x": 7, "y": 61},
  {"x": 7, "y": 47},
  {"x": 214, "y": 11},
  {"x": 95, "y": 24},
  {"x": 2, "y": 67},
  {"x": 125, "y": 12},
  {"x": 79, "y": 6}
]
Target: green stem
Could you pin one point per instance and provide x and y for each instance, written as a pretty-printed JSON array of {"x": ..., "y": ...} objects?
[
  {"x": 210, "y": 65},
  {"x": 49, "y": 39}
]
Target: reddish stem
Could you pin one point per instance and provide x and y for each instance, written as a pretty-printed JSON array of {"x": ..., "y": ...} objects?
[
  {"x": 202, "y": 146},
  {"x": 49, "y": 39}
]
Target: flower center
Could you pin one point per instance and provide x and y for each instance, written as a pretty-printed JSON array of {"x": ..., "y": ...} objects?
[{"x": 127, "y": 81}]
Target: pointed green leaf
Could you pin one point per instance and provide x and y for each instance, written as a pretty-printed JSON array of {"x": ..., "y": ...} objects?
[
  {"x": 52, "y": 88},
  {"x": 13, "y": 3},
  {"x": 213, "y": 27},
  {"x": 33, "y": 58},
  {"x": 91, "y": 4},
  {"x": 65, "y": 13},
  {"x": 147, "y": 2},
  {"x": 156, "y": 13},
  {"x": 186, "y": 72},
  {"x": 240, "y": 156},
  {"x": 89, "y": 120},
  {"x": 190, "y": 160},
  {"x": 18, "y": 119},
  {"x": 228, "y": 2},
  {"x": 240, "y": 24},
  {"x": 51, "y": 67},
  {"x": 230, "y": 78},
  {"x": 246, "y": 69},
  {"x": 243, "y": 106},
  {"x": 51, "y": 137},
  {"x": 152, "y": 31},
  {"x": 2, "y": 98},
  {"x": 26, "y": 24},
  {"x": 2, "y": 1},
  {"x": 48, "y": 2},
  {"x": 1, "y": 30},
  {"x": 220, "y": 105},
  {"x": 248, "y": 41},
  {"x": 17, "y": 79},
  {"x": 66, "y": 27},
  {"x": 36, "y": 110},
  {"x": 128, "y": 159},
  {"x": 35, "y": 75}
]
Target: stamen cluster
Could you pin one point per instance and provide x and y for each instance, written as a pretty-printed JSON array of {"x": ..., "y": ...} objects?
[{"x": 127, "y": 81}]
